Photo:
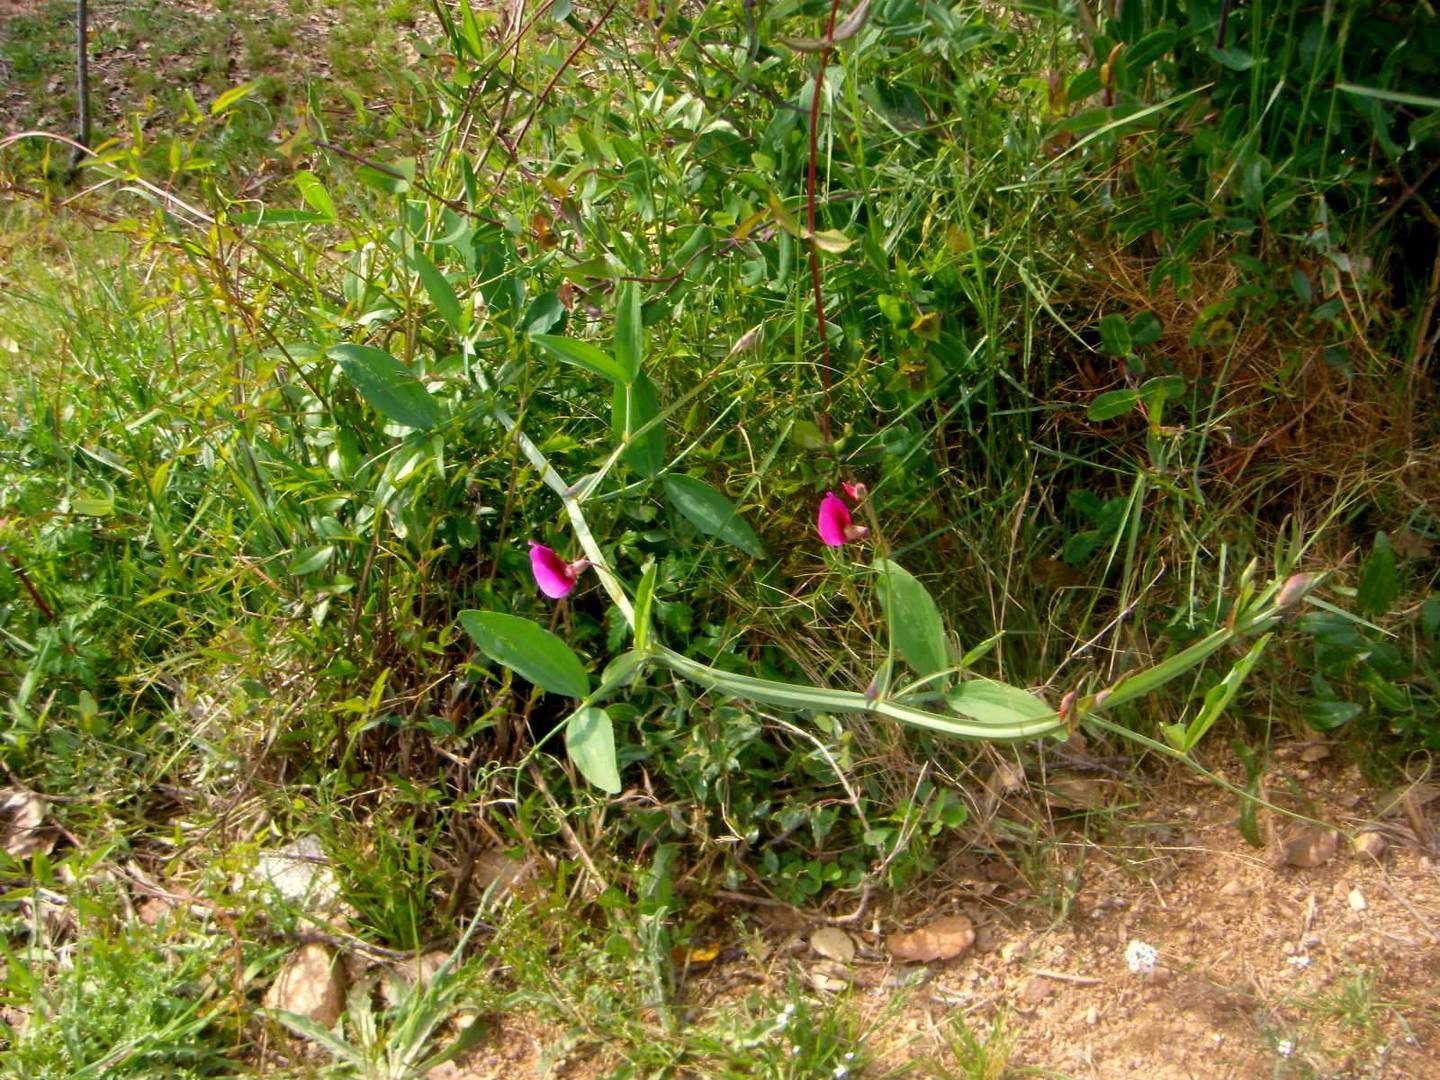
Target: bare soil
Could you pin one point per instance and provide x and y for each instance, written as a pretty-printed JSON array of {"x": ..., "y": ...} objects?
[{"x": 1263, "y": 968}]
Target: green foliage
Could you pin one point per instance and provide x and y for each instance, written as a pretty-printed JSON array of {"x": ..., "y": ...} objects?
[
  {"x": 131, "y": 1004},
  {"x": 1086, "y": 350}
]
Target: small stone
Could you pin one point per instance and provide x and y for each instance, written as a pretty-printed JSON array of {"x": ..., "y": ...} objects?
[
  {"x": 1311, "y": 847},
  {"x": 1356, "y": 900},
  {"x": 941, "y": 939},
  {"x": 1158, "y": 976},
  {"x": 829, "y": 977},
  {"x": 152, "y": 909},
  {"x": 22, "y": 824},
  {"x": 1315, "y": 752},
  {"x": 1012, "y": 951},
  {"x": 1370, "y": 844},
  {"x": 1233, "y": 887},
  {"x": 301, "y": 874},
  {"x": 834, "y": 944},
  {"x": 1092, "y": 1016},
  {"x": 312, "y": 984},
  {"x": 1035, "y": 990}
]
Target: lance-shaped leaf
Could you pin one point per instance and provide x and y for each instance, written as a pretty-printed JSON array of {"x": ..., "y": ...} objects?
[
  {"x": 439, "y": 290},
  {"x": 634, "y": 406},
  {"x": 529, "y": 650},
  {"x": 590, "y": 741},
  {"x": 629, "y": 331},
  {"x": 583, "y": 355},
  {"x": 712, "y": 513},
  {"x": 388, "y": 385}
]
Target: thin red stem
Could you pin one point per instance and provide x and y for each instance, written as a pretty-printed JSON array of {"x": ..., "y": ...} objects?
[{"x": 810, "y": 222}]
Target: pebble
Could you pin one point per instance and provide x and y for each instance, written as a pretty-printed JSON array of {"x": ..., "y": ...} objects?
[
  {"x": 1372, "y": 844},
  {"x": 1035, "y": 990}
]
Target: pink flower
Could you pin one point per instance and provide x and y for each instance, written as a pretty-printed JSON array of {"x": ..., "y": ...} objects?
[
  {"x": 834, "y": 521},
  {"x": 553, "y": 574}
]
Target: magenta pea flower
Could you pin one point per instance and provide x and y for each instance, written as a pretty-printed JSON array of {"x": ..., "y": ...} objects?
[
  {"x": 553, "y": 574},
  {"x": 834, "y": 521}
]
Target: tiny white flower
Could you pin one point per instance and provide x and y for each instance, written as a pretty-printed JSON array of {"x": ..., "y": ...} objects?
[
  {"x": 1140, "y": 957},
  {"x": 1299, "y": 961},
  {"x": 1285, "y": 1047},
  {"x": 840, "y": 1073}
]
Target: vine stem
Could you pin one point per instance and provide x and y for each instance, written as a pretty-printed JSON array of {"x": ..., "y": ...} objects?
[{"x": 810, "y": 222}]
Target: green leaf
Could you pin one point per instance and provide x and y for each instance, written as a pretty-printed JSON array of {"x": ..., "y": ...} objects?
[
  {"x": 319, "y": 1034},
  {"x": 712, "y": 513},
  {"x": 1115, "y": 335},
  {"x": 439, "y": 291},
  {"x": 92, "y": 504},
  {"x": 1219, "y": 696},
  {"x": 1329, "y": 715},
  {"x": 1166, "y": 387},
  {"x": 644, "y": 599},
  {"x": 992, "y": 702},
  {"x": 232, "y": 97},
  {"x": 634, "y": 406},
  {"x": 392, "y": 179},
  {"x": 831, "y": 241},
  {"x": 1379, "y": 583},
  {"x": 1254, "y": 768},
  {"x": 978, "y": 652},
  {"x": 1112, "y": 403},
  {"x": 629, "y": 331},
  {"x": 1233, "y": 57},
  {"x": 470, "y": 35},
  {"x": 529, "y": 650},
  {"x": 581, "y": 354},
  {"x": 389, "y": 386},
  {"x": 590, "y": 741},
  {"x": 308, "y": 560},
  {"x": 314, "y": 193},
  {"x": 916, "y": 631},
  {"x": 1145, "y": 329}
]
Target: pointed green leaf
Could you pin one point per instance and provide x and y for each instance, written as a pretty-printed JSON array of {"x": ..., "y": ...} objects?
[
  {"x": 629, "y": 331},
  {"x": 831, "y": 241},
  {"x": 916, "y": 632},
  {"x": 590, "y": 740},
  {"x": 992, "y": 702},
  {"x": 314, "y": 193},
  {"x": 581, "y": 354},
  {"x": 634, "y": 406},
  {"x": 1219, "y": 697},
  {"x": 712, "y": 513},
  {"x": 529, "y": 650},
  {"x": 1379, "y": 584},
  {"x": 388, "y": 385},
  {"x": 230, "y": 98},
  {"x": 644, "y": 598},
  {"x": 1112, "y": 403},
  {"x": 978, "y": 652},
  {"x": 439, "y": 290},
  {"x": 310, "y": 559},
  {"x": 1115, "y": 335}
]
